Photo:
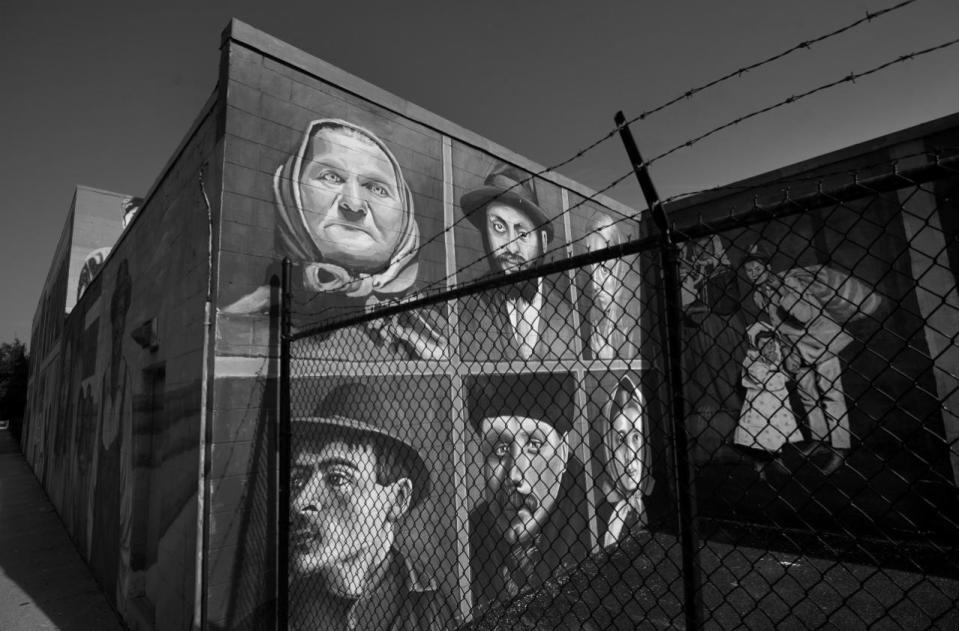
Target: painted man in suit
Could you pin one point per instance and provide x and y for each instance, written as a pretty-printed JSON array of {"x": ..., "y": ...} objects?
[
  {"x": 809, "y": 308},
  {"x": 525, "y": 320}
]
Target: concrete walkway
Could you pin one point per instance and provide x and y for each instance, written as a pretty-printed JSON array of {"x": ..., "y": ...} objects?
[{"x": 44, "y": 583}]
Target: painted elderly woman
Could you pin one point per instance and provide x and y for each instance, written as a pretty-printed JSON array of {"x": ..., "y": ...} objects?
[
  {"x": 628, "y": 466},
  {"x": 345, "y": 217}
]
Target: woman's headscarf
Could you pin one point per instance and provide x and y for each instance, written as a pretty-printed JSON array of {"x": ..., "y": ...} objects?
[
  {"x": 626, "y": 395},
  {"x": 297, "y": 241}
]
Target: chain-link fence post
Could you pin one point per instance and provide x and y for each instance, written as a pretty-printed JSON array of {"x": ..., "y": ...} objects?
[
  {"x": 283, "y": 459},
  {"x": 672, "y": 343}
]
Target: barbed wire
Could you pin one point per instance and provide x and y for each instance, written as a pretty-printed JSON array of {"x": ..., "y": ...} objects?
[
  {"x": 850, "y": 78},
  {"x": 803, "y": 45}
]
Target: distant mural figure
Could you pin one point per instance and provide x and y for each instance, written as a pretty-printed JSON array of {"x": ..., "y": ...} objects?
[
  {"x": 91, "y": 267},
  {"x": 345, "y": 214},
  {"x": 530, "y": 522},
  {"x": 628, "y": 475},
  {"x": 353, "y": 482},
  {"x": 109, "y": 512},
  {"x": 713, "y": 334},
  {"x": 766, "y": 422},
  {"x": 610, "y": 320},
  {"x": 809, "y": 307},
  {"x": 131, "y": 206},
  {"x": 521, "y": 320}
]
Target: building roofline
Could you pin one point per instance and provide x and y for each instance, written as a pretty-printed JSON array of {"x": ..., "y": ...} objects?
[
  {"x": 246, "y": 35},
  {"x": 852, "y": 153}
]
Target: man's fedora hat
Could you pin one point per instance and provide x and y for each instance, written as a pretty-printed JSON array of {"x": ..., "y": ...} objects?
[
  {"x": 356, "y": 409},
  {"x": 510, "y": 186}
]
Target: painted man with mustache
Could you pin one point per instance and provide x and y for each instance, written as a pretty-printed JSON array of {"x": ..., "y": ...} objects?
[
  {"x": 525, "y": 320},
  {"x": 531, "y": 522},
  {"x": 353, "y": 481}
]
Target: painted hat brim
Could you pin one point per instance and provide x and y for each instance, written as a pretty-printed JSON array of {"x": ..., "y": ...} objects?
[
  {"x": 421, "y": 473},
  {"x": 479, "y": 198}
]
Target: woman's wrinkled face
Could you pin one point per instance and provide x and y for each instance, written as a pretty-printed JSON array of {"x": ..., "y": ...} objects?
[
  {"x": 353, "y": 204},
  {"x": 628, "y": 441}
]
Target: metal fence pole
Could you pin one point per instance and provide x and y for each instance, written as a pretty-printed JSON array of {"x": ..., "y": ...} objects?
[
  {"x": 672, "y": 333},
  {"x": 283, "y": 459}
]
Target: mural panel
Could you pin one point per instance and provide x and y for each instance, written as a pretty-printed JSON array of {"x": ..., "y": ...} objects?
[
  {"x": 532, "y": 520},
  {"x": 506, "y": 222},
  {"x": 357, "y": 206},
  {"x": 610, "y": 292},
  {"x": 373, "y": 537}
]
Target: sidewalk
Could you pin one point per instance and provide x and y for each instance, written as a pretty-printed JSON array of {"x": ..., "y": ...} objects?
[{"x": 44, "y": 583}]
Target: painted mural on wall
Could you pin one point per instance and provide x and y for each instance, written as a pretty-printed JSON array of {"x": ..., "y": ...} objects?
[
  {"x": 556, "y": 430},
  {"x": 832, "y": 389},
  {"x": 532, "y": 520},
  {"x": 519, "y": 321},
  {"x": 96, "y": 450},
  {"x": 345, "y": 214},
  {"x": 627, "y": 463}
]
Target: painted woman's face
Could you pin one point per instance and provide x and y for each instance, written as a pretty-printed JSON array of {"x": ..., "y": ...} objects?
[
  {"x": 352, "y": 202},
  {"x": 628, "y": 441}
]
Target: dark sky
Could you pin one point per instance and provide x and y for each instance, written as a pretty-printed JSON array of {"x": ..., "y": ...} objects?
[{"x": 100, "y": 93}]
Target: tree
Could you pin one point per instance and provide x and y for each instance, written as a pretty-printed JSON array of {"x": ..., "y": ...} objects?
[{"x": 13, "y": 383}]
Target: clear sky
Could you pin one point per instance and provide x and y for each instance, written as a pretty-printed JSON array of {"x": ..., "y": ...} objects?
[{"x": 100, "y": 93}]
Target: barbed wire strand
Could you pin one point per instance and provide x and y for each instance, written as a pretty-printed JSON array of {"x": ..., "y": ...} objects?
[
  {"x": 850, "y": 78},
  {"x": 803, "y": 45}
]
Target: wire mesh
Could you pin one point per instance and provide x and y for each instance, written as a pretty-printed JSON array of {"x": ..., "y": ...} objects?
[{"x": 502, "y": 455}]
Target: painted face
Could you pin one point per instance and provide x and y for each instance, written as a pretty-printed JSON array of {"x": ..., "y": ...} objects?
[
  {"x": 339, "y": 512},
  {"x": 756, "y": 272},
  {"x": 352, "y": 202},
  {"x": 525, "y": 462},
  {"x": 514, "y": 242},
  {"x": 606, "y": 278},
  {"x": 769, "y": 350},
  {"x": 627, "y": 464}
]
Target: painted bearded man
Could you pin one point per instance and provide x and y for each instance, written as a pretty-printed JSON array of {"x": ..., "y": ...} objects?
[
  {"x": 531, "y": 522},
  {"x": 525, "y": 320},
  {"x": 354, "y": 479},
  {"x": 345, "y": 216}
]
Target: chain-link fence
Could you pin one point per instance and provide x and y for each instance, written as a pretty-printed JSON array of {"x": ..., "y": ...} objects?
[{"x": 743, "y": 422}]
